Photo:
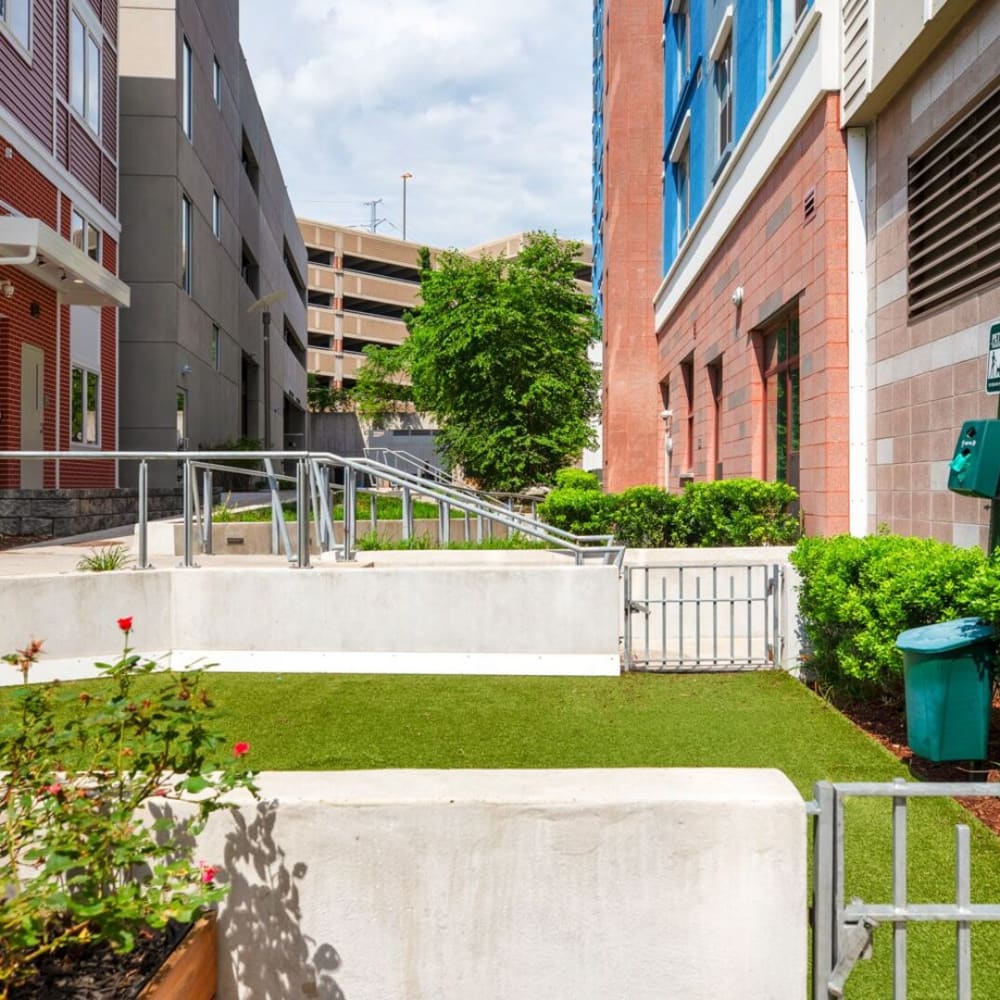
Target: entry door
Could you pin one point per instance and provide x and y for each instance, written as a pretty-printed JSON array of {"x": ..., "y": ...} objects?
[{"x": 32, "y": 413}]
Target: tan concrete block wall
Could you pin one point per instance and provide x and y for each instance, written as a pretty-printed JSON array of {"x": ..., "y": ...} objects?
[{"x": 928, "y": 374}]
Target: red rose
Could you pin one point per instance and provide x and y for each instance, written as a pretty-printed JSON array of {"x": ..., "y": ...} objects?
[
  {"x": 207, "y": 872},
  {"x": 125, "y": 624},
  {"x": 240, "y": 749}
]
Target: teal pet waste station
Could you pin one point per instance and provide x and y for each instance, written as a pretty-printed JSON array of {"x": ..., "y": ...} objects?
[
  {"x": 948, "y": 667},
  {"x": 948, "y": 677}
]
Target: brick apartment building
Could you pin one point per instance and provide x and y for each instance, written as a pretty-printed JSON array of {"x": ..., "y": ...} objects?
[
  {"x": 59, "y": 239},
  {"x": 828, "y": 271}
]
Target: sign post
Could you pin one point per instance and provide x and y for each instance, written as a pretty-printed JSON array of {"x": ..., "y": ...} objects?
[{"x": 993, "y": 388}]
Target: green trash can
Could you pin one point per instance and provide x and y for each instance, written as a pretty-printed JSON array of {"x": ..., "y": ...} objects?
[{"x": 948, "y": 675}]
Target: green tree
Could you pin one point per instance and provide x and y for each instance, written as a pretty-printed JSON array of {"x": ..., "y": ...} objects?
[
  {"x": 324, "y": 398},
  {"x": 497, "y": 355}
]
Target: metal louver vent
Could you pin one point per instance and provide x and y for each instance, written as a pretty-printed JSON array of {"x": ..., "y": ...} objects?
[
  {"x": 809, "y": 205},
  {"x": 953, "y": 245}
]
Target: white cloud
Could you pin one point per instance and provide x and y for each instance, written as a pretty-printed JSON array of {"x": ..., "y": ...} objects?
[{"x": 487, "y": 104}]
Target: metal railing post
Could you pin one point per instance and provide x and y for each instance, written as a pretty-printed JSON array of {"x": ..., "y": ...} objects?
[
  {"x": 349, "y": 497},
  {"x": 187, "y": 486},
  {"x": 143, "y": 560},
  {"x": 444, "y": 514},
  {"x": 899, "y": 893},
  {"x": 407, "y": 514},
  {"x": 206, "y": 524},
  {"x": 302, "y": 512},
  {"x": 824, "y": 931}
]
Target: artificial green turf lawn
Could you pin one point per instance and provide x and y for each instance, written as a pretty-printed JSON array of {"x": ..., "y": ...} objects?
[{"x": 318, "y": 722}]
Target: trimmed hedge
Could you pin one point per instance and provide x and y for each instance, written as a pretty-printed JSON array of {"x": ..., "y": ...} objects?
[
  {"x": 725, "y": 513},
  {"x": 576, "y": 479},
  {"x": 858, "y": 594}
]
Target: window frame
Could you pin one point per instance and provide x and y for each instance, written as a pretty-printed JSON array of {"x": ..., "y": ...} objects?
[
  {"x": 216, "y": 215},
  {"x": 216, "y": 347},
  {"x": 781, "y": 378},
  {"x": 88, "y": 232},
  {"x": 77, "y": 406},
  {"x": 8, "y": 24},
  {"x": 216, "y": 82},
  {"x": 86, "y": 87},
  {"x": 187, "y": 88},
  {"x": 187, "y": 256},
  {"x": 722, "y": 86}
]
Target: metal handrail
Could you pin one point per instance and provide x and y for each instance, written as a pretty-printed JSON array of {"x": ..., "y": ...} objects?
[{"x": 312, "y": 482}]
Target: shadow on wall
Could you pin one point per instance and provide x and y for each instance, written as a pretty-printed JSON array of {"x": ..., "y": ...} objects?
[{"x": 270, "y": 957}]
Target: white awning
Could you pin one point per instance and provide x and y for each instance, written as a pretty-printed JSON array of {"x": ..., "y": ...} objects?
[{"x": 31, "y": 246}]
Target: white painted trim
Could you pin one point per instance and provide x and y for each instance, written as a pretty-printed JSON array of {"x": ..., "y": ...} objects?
[
  {"x": 44, "y": 162},
  {"x": 78, "y": 279},
  {"x": 722, "y": 35},
  {"x": 857, "y": 328},
  {"x": 806, "y": 74},
  {"x": 683, "y": 134}
]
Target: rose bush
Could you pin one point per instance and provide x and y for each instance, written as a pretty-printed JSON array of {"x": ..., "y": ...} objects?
[{"x": 81, "y": 864}]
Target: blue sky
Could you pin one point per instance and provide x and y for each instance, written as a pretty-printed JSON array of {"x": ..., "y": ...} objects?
[{"x": 486, "y": 103}]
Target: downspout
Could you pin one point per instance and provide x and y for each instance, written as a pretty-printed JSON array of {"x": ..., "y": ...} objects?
[{"x": 857, "y": 328}]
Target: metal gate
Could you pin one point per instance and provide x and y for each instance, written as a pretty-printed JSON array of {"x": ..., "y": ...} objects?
[
  {"x": 842, "y": 931},
  {"x": 704, "y": 617}
]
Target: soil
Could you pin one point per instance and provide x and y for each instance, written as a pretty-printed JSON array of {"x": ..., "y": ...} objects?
[
  {"x": 885, "y": 721},
  {"x": 98, "y": 973},
  {"x": 15, "y": 541}
]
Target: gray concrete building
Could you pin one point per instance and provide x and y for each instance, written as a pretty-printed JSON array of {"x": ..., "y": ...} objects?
[{"x": 208, "y": 232}]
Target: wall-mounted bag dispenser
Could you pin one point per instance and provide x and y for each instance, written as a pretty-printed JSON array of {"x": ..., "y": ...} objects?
[{"x": 974, "y": 471}]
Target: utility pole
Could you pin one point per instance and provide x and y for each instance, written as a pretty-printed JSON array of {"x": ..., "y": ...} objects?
[
  {"x": 406, "y": 177},
  {"x": 375, "y": 221}
]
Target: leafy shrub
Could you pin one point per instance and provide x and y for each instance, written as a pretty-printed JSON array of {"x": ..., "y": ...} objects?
[
  {"x": 576, "y": 479},
  {"x": 580, "y": 511},
  {"x": 858, "y": 594},
  {"x": 76, "y": 867},
  {"x": 736, "y": 512},
  {"x": 643, "y": 517}
]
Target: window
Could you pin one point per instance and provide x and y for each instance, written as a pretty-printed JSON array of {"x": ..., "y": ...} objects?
[
  {"x": 682, "y": 190},
  {"x": 687, "y": 378},
  {"x": 186, "y": 244},
  {"x": 715, "y": 388},
  {"x": 216, "y": 215},
  {"x": 680, "y": 158},
  {"x": 783, "y": 16},
  {"x": 780, "y": 368},
  {"x": 85, "y": 388},
  {"x": 249, "y": 270},
  {"x": 681, "y": 25},
  {"x": 217, "y": 82},
  {"x": 249, "y": 162},
  {"x": 84, "y": 72},
  {"x": 85, "y": 236},
  {"x": 953, "y": 242},
  {"x": 724, "y": 97},
  {"x": 216, "y": 348},
  {"x": 187, "y": 81},
  {"x": 16, "y": 15},
  {"x": 182, "y": 419}
]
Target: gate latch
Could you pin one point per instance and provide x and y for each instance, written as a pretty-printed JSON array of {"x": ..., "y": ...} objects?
[{"x": 857, "y": 939}]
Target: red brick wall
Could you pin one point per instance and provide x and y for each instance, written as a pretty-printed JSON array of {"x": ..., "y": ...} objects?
[
  {"x": 632, "y": 242},
  {"x": 777, "y": 257},
  {"x": 37, "y": 197}
]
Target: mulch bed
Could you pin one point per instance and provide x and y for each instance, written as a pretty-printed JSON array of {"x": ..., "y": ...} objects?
[
  {"x": 15, "y": 541},
  {"x": 98, "y": 973},
  {"x": 885, "y": 721}
]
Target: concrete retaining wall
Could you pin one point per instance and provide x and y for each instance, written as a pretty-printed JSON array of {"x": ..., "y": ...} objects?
[
  {"x": 537, "y": 620},
  {"x": 514, "y": 885}
]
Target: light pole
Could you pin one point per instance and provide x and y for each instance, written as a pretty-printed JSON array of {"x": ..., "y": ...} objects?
[
  {"x": 406, "y": 177},
  {"x": 264, "y": 305}
]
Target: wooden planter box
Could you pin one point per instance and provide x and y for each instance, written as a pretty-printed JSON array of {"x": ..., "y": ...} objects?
[{"x": 189, "y": 972}]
